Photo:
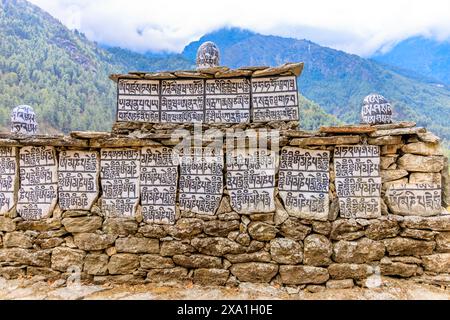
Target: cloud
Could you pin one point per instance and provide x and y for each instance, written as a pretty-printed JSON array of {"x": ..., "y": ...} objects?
[{"x": 355, "y": 26}]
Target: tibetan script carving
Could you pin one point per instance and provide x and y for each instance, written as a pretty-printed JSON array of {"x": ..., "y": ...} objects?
[
  {"x": 201, "y": 180},
  {"x": 182, "y": 101},
  {"x": 120, "y": 181},
  {"x": 38, "y": 182},
  {"x": 304, "y": 182},
  {"x": 415, "y": 199},
  {"x": 274, "y": 99},
  {"x": 8, "y": 178},
  {"x": 158, "y": 183},
  {"x": 358, "y": 181},
  {"x": 78, "y": 179},
  {"x": 250, "y": 180},
  {"x": 227, "y": 101},
  {"x": 138, "y": 100}
]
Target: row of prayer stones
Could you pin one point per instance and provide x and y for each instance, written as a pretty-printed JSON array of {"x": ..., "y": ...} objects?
[
  {"x": 150, "y": 175},
  {"x": 235, "y": 100}
]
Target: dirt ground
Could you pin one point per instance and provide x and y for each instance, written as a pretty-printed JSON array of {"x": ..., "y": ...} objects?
[{"x": 391, "y": 289}]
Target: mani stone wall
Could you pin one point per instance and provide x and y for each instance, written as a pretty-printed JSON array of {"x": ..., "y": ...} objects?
[{"x": 329, "y": 209}]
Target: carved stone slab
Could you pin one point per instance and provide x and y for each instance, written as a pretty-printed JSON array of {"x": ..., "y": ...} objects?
[
  {"x": 120, "y": 181},
  {"x": 358, "y": 181},
  {"x": 38, "y": 182},
  {"x": 182, "y": 101},
  {"x": 304, "y": 182},
  {"x": 158, "y": 183},
  {"x": 275, "y": 98},
  {"x": 250, "y": 179},
  {"x": 227, "y": 101},
  {"x": 78, "y": 173},
  {"x": 9, "y": 175},
  {"x": 419, "y": 199},
  {"x": 138, "y": 100},
  {"x": 201, "y": 180}
]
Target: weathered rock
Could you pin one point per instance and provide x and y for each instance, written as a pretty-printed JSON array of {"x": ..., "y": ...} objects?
[
  {"x": 128, "y": 279},
  {"x": 386, "y": 140},
  {"x": 7, "y": 224},
  {"x": 49, "y": 243},
  {"x": 262, "y": 231},
  {"x": 346, "y": 229},
  {"x": 120, "y": 227},
  {"x": 286, "y": 251},
  {"x": 314, "y": 288},
  {"x": 17, "y": 240},
  {"x": 390, "y": 268},
  {"x": 224, "y": 206},
  {"x": 197, "y": 261},
  {"x": 409, "y": 260},
  {"x": 137, "y": 245},
  {"x": 443, "y": 242},
  {"x": 397, "y": 132},
  {"x": 82, "y": 224},
  {"x": 341, "y": 271},
  {"x": 281, "y": 214},
  {"x": 390, "y": 149},
  {"x": 217, "y": 246},
  {"x": 12, "y": 272},
  {"x": 40, "y": 225},
  {"x": 422, "y": 177},
  {"x": 123, "y": 263},
  {"x": 418, "y": 234},
  {"x": 322, "y": 227},
  {"x": 391, "y": 175},
  {"x": 243, "y": 239},
  {"x": 294, "y": 229},
  {"x": 408, "y": 247},
  {"x": 428, "y": 137},
  {"x": 96, "y": 264},
  {"x": 295, "y": 275},
  {"x": 93, "y": 241},
  {"x": 387, "y": 161},
  {"x": 262, "y": 217},
  {"x": 439, "y": 262},
  {"x": 439, "y": 223},
  {"x": 423, "y": 149},
  {"x": 46, "y": 273},
  {"x": 219, "y": 228},
  {"x": 254, "y": 271},
  {"x": 320, "y": 141},
  {"x": 211, "y": 277},
  {"x": 171, "y": 248},
  {"x": 317, "y": 250},
  {"x": 65, "y": 258},
  {"x": 361, "y": 251},
  {"x": 340, "y": 284},
  {"x": 382, "y": 229},
  {"x": 414, "y": 163},
  {"x": 260, "y": 256},
  {"x": 228, "y": 216},
  {"x": 155, "y": 261},
  {"x": 25, "y": 256},
  {"x": 167, "y": 275},
  {"x": 186, "y": 228}
]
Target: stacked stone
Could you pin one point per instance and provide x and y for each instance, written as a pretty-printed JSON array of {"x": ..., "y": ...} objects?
[{"x": 280, "y": 246}]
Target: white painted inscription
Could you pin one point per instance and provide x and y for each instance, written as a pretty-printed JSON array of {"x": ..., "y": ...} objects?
[
  {"x": 250, "y": 179},
  {"x": 78, "y": 179},
  {"x": 419, "y": 199},
  {"x": 182, "y": 101},
  {"x": 304, "y": 182},
  {"x": 227, "y": 101},
  {"x": 8, "y": 178},
  {"x": 201, "y": 180},
  {"x": 138, "y": 100},
  {"x": 275, "y": 99},
  {"x": 158, "y": 183},
  {"x": 120, "y": 181},
  {"x": 38, "y": 181},
  {"x": 358, "y": 181}
]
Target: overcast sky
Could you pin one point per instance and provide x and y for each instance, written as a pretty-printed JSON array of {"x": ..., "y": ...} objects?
[{"x": 355, "y": 26}]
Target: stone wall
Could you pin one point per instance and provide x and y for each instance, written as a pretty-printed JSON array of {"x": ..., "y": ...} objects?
[{"x": 276, "y": 245}]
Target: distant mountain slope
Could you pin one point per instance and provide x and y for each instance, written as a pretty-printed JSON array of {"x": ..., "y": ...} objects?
[
  {"x": 424, "y": 56},
  {"x": 336, "y": 80}
]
